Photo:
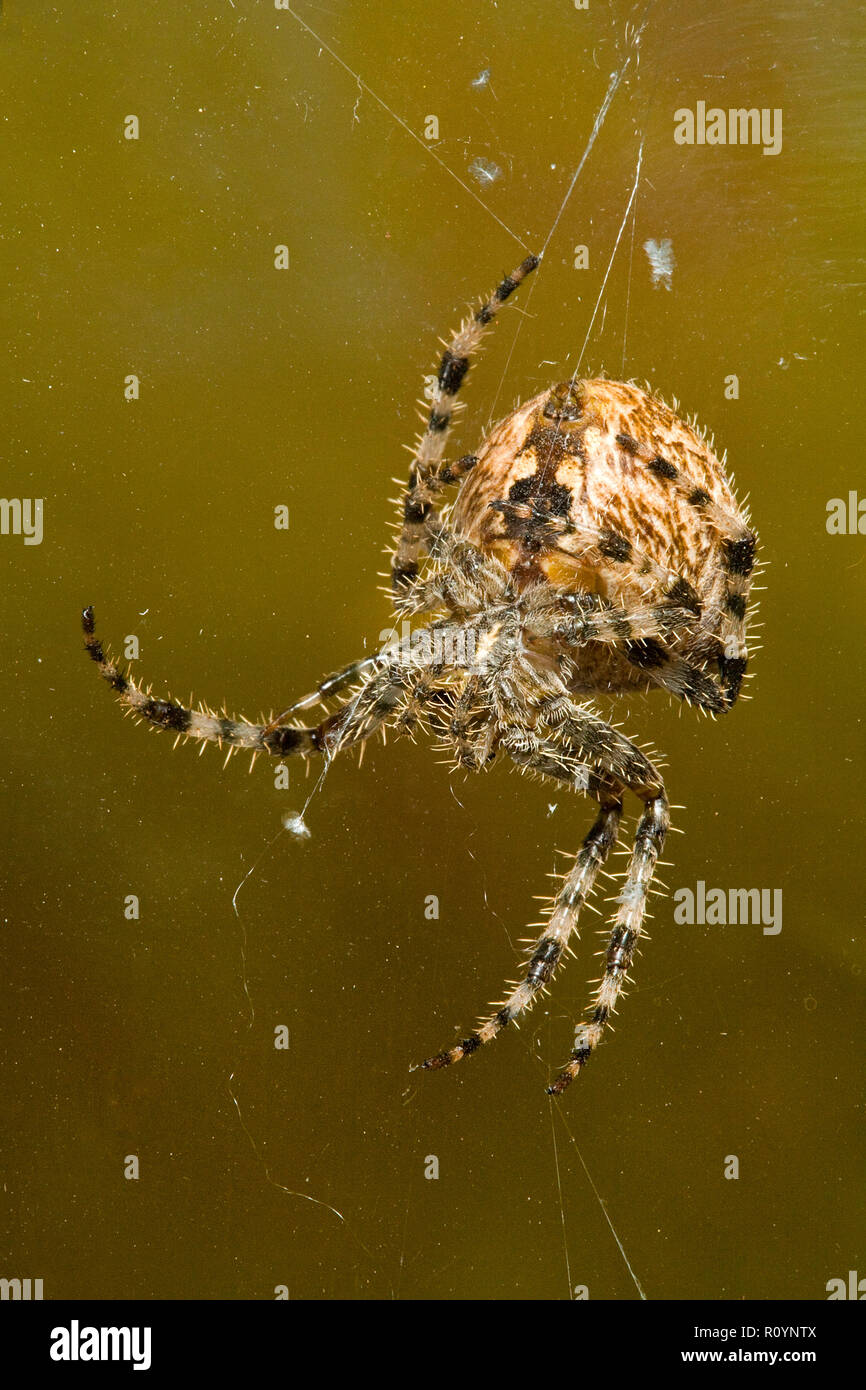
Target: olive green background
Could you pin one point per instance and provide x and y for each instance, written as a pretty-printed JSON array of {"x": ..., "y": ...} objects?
[{"x": 262, "y": 387}]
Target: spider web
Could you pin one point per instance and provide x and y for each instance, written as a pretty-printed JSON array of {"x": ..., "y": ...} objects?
[{"x": 563, "y": 1141}]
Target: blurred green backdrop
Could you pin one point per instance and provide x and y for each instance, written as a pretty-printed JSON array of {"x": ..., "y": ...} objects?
[{"x": 261, "y": 387}]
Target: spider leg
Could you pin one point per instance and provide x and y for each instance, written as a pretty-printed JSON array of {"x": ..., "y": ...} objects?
[
  {"x": 470, "y": 731},
  {"x": 737, "y": 558},
  {"x": 722, "y": 625},
  {"x": 676, "y": 674},
  {"x": 638, "y": 633},
  {"x": 553, "y": 941},
  {"x": 555, "y": 758},
  {"x": 624, "y": 937},
  {"x": 403, "y": 679},
  {"x": 372, "y": 706},
  {"x": 424, "y": 700},
  {"x": 199, "y": 724},
  {"x": 737, "y": 543},
  {"x": 461, "y": 579},
  {"x": 426, "y": 476},
  {"x": 576, "y": 618},
  {"x": 333, "y": 684},
  {"x": 583, "y": 730},
  {"x": 597, "y": 759}
]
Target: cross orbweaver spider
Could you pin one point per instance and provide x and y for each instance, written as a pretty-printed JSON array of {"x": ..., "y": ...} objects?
[{"x": 594, "y": 546}]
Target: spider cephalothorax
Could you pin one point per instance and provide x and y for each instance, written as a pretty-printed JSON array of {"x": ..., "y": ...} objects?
[{"x": 594, "y": 546}]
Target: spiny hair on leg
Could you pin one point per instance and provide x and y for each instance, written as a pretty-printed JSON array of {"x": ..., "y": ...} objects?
[{"x": 200, "y": 724}]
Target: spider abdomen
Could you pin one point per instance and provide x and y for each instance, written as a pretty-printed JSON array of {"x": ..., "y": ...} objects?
[
  {"x": 573, "y": 460},
  {"x": 599, "y": 487}
]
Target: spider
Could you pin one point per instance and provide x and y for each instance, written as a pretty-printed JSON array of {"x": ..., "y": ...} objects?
[{"x": 594, "y": 546}]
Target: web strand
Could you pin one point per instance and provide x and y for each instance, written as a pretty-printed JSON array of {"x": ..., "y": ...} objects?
[{"x": 428, "y": 150}]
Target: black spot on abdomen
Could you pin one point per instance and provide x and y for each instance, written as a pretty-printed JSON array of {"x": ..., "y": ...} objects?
[{"x": 553, "y": 498}]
